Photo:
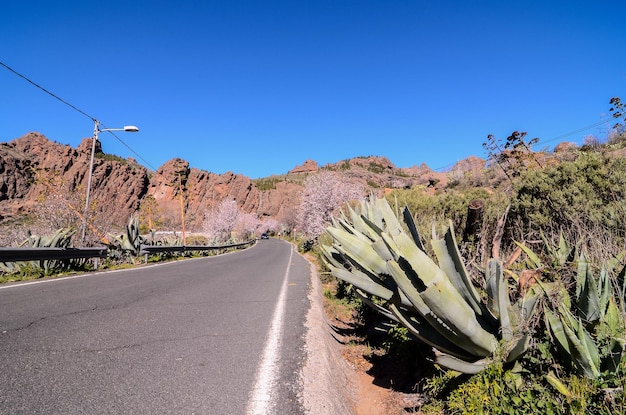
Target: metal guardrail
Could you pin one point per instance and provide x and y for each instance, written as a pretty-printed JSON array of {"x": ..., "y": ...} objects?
[
  {"x": 36, "y": 254},
  {"x": 157, "y": 249}
]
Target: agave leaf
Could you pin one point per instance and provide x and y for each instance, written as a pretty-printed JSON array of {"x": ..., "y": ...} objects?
[
  {"x": 392, "y": 224},
  {"x": 332, "y": 255},
  {"x": 565, "y": 252},
  {"x": 401, "y": 246},
  {"x": 591, "y": 349},
  {"x": 423, "y": 330},
  {"x": 410, "y": 223},
  {"x": 462, "y": 366},
  {"x": 492, "y": 275},
  {"x": 450, "y": 317},
  {"x": 527, "y": 304},
  {"x": 361, "y": 281},
  {"x": 548, "y": 246},
  {"x": 449, "y": 259},
  {"x": 374, "y": 306},
  {"x": 522, "y": 312},
  {"x": 461, "y": 318},
  {"x": 417, "y": 275},
  {"x": 517, "y": 347},
  {"x": 373, "y": 230},
  {"x": 406, "y": 286},
  {"x": 342, "y": 223},
  {"x": 560, "y": 254},
  {"x": 556, "y": 328},
  {"x": 535, "y": 262},
  {"x": 578, "y": 346},
  {"x": 364, "y": 225},
  {"x": 510, "y": 317},
  {"x": 605, "y": 291},
  {"x": 359, "y": 249},
  {"x": 587, "y": 297},
  {"x": 382, "y": 249},
  {"x": 500, "y": 300},
  {"x": 613, "y": 319},
  {"x": 370, "y": 211}
]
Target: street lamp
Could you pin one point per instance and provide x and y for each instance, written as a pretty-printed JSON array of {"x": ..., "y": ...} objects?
[{"x": 96, "y": 130}]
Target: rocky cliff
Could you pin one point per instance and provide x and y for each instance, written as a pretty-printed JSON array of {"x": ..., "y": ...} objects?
[{"x": 33, "y": 167}]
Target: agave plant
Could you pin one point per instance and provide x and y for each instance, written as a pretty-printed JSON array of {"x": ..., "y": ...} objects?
[
  {"x": 587, "y": 325},
  {"x": 132, "y": 239},
  {"x": 59, "y": 239},
  {"x": 385, "y": 260}
]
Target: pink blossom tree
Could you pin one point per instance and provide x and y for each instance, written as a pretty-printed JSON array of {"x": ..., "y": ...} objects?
[
  {"x": 269, "y": 225},
  {"x": 220, "y": 221},
  {"x": 246, "y": 225},
  {"x": 324, "y": 193}
]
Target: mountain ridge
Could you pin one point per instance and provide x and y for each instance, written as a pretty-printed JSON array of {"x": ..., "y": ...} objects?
[{"x": 32, "y": 166}]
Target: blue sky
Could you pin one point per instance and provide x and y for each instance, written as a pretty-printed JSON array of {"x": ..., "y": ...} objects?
[{"x": 258, "y": 87}]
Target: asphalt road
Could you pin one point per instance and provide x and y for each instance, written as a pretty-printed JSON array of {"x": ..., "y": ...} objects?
[{"x": 219, "y": 335}]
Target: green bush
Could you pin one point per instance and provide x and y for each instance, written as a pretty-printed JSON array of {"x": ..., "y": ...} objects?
[{"x": 584, "y": 197}]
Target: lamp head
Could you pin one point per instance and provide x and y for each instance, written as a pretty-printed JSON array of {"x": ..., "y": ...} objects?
[{"x": 131, "y": 128}]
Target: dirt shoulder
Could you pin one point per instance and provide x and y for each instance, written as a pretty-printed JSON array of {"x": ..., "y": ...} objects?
[
  {"x": 329, "y": 385},
  {"x": 338, "y": 376}
]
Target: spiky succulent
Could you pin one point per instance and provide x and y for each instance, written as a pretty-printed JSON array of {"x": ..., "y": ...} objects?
[
  {"x": 385, "y": 260},
  {"x": 59, "y": 239},
  {"x": 131, "y": 239},
  {"x": 588, "y": 325}
]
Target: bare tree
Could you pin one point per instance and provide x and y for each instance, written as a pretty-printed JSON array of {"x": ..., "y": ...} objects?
[
  {"x": 60, "y": 206},
  {"x": 150, "y": 214},
  {"x": 323, "y": 194}
]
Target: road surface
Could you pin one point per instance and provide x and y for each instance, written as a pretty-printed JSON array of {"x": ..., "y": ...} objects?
[{"x": 218, "y": 335}]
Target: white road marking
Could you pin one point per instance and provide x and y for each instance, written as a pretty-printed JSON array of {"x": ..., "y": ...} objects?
[{"x": 261, "y": 395}]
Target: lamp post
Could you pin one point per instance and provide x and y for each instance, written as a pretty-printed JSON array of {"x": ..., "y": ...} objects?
[{"x": 96, "y": 131}]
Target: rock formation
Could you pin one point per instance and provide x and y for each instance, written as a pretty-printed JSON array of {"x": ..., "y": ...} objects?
[
  {"x": 32, "y": 167},
  {"x": 309, "y": 166}
]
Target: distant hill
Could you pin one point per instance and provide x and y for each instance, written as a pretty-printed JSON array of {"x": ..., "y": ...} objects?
[
  {"x": 32, "y": 167},
  {"x": 29, "y": 164}
]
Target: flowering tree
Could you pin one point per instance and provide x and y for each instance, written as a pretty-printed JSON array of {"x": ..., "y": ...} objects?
[
  {"x": 323, "y": 194},
  {"x": 220, "y": 221},
  {"x": 269, "y": 225},
  {"x": 246, "y": 225}
]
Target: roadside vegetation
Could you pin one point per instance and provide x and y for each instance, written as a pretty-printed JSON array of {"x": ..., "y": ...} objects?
[{"x": 504, "y": 293}]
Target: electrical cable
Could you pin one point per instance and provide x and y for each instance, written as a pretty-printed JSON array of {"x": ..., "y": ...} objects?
[
  {"x": 597, "y": 124},
  {"x": 133, "y": 151},
  {"x": 560, "y": 137},
  {"x": 78, "y": 110},
  {"x": 48, "y": 92}
]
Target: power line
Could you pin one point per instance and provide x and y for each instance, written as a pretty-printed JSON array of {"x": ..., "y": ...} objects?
[
  {"x": 580, "y": 130},
  {"x": 560, "y": 137},
  {"x": 133, "y": 151},
  {"x": 48, "y": 92},
  {"x": 76, "y": 109}
]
